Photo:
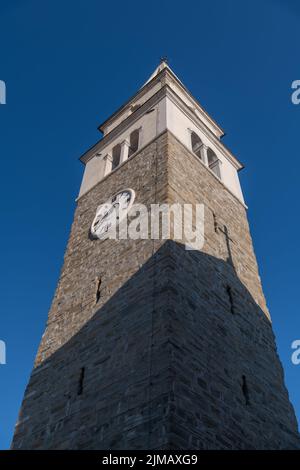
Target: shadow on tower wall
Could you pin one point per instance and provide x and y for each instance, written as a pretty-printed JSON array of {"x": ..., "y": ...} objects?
[{"x": 181, "y": 357}]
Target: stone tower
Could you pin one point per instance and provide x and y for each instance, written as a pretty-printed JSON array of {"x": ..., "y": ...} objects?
[{"x": 149, "y": 345}]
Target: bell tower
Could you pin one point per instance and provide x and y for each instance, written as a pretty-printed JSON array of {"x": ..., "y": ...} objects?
[{"x": 149, "y": 345}]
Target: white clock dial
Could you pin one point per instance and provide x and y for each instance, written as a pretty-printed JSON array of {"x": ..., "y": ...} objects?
[{"x": 112, "y": 212}]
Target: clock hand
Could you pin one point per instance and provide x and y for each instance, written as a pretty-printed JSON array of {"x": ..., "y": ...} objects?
[{"x": 108, "y": 212}]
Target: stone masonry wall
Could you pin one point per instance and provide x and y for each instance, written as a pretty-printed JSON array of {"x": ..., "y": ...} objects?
[
  {"x": 178, "y": 353},
  {"x": 111, "y": 340},
  {"x": 228, "y": 386}
]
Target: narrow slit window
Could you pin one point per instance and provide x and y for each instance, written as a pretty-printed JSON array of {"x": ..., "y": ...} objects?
[
  {"x": 215, "y": 222},
  {"x": 134, "y": 142},
  {"x": 245, "y": 390},
  {"x": 231, "y": 300},
  {"x": 98, "y": 289},
  {"x": 80, "y": 381}
]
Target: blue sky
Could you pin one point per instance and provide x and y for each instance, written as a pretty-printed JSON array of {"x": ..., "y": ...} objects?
[{"x": 67, "y": 66}]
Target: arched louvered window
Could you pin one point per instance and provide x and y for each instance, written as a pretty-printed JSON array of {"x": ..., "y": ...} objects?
[
  {"x": 213, "y": 162},
  {"x": 133, "y": 142},
  {"x": 116, "y": 155},
  {"x": 196, "y": 144}
]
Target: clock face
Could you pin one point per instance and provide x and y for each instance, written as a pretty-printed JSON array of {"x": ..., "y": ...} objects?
[{"x": 109, "y": 214}]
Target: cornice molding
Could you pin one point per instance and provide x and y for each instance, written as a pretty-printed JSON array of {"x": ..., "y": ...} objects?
[
  {"x": 131, "y": 119},
  {"x": 202, "y": 126},
  {"x": 168, "y": 132},
  {"x": 165, "y": 91},
  {"x": 162, "y": 77}
]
